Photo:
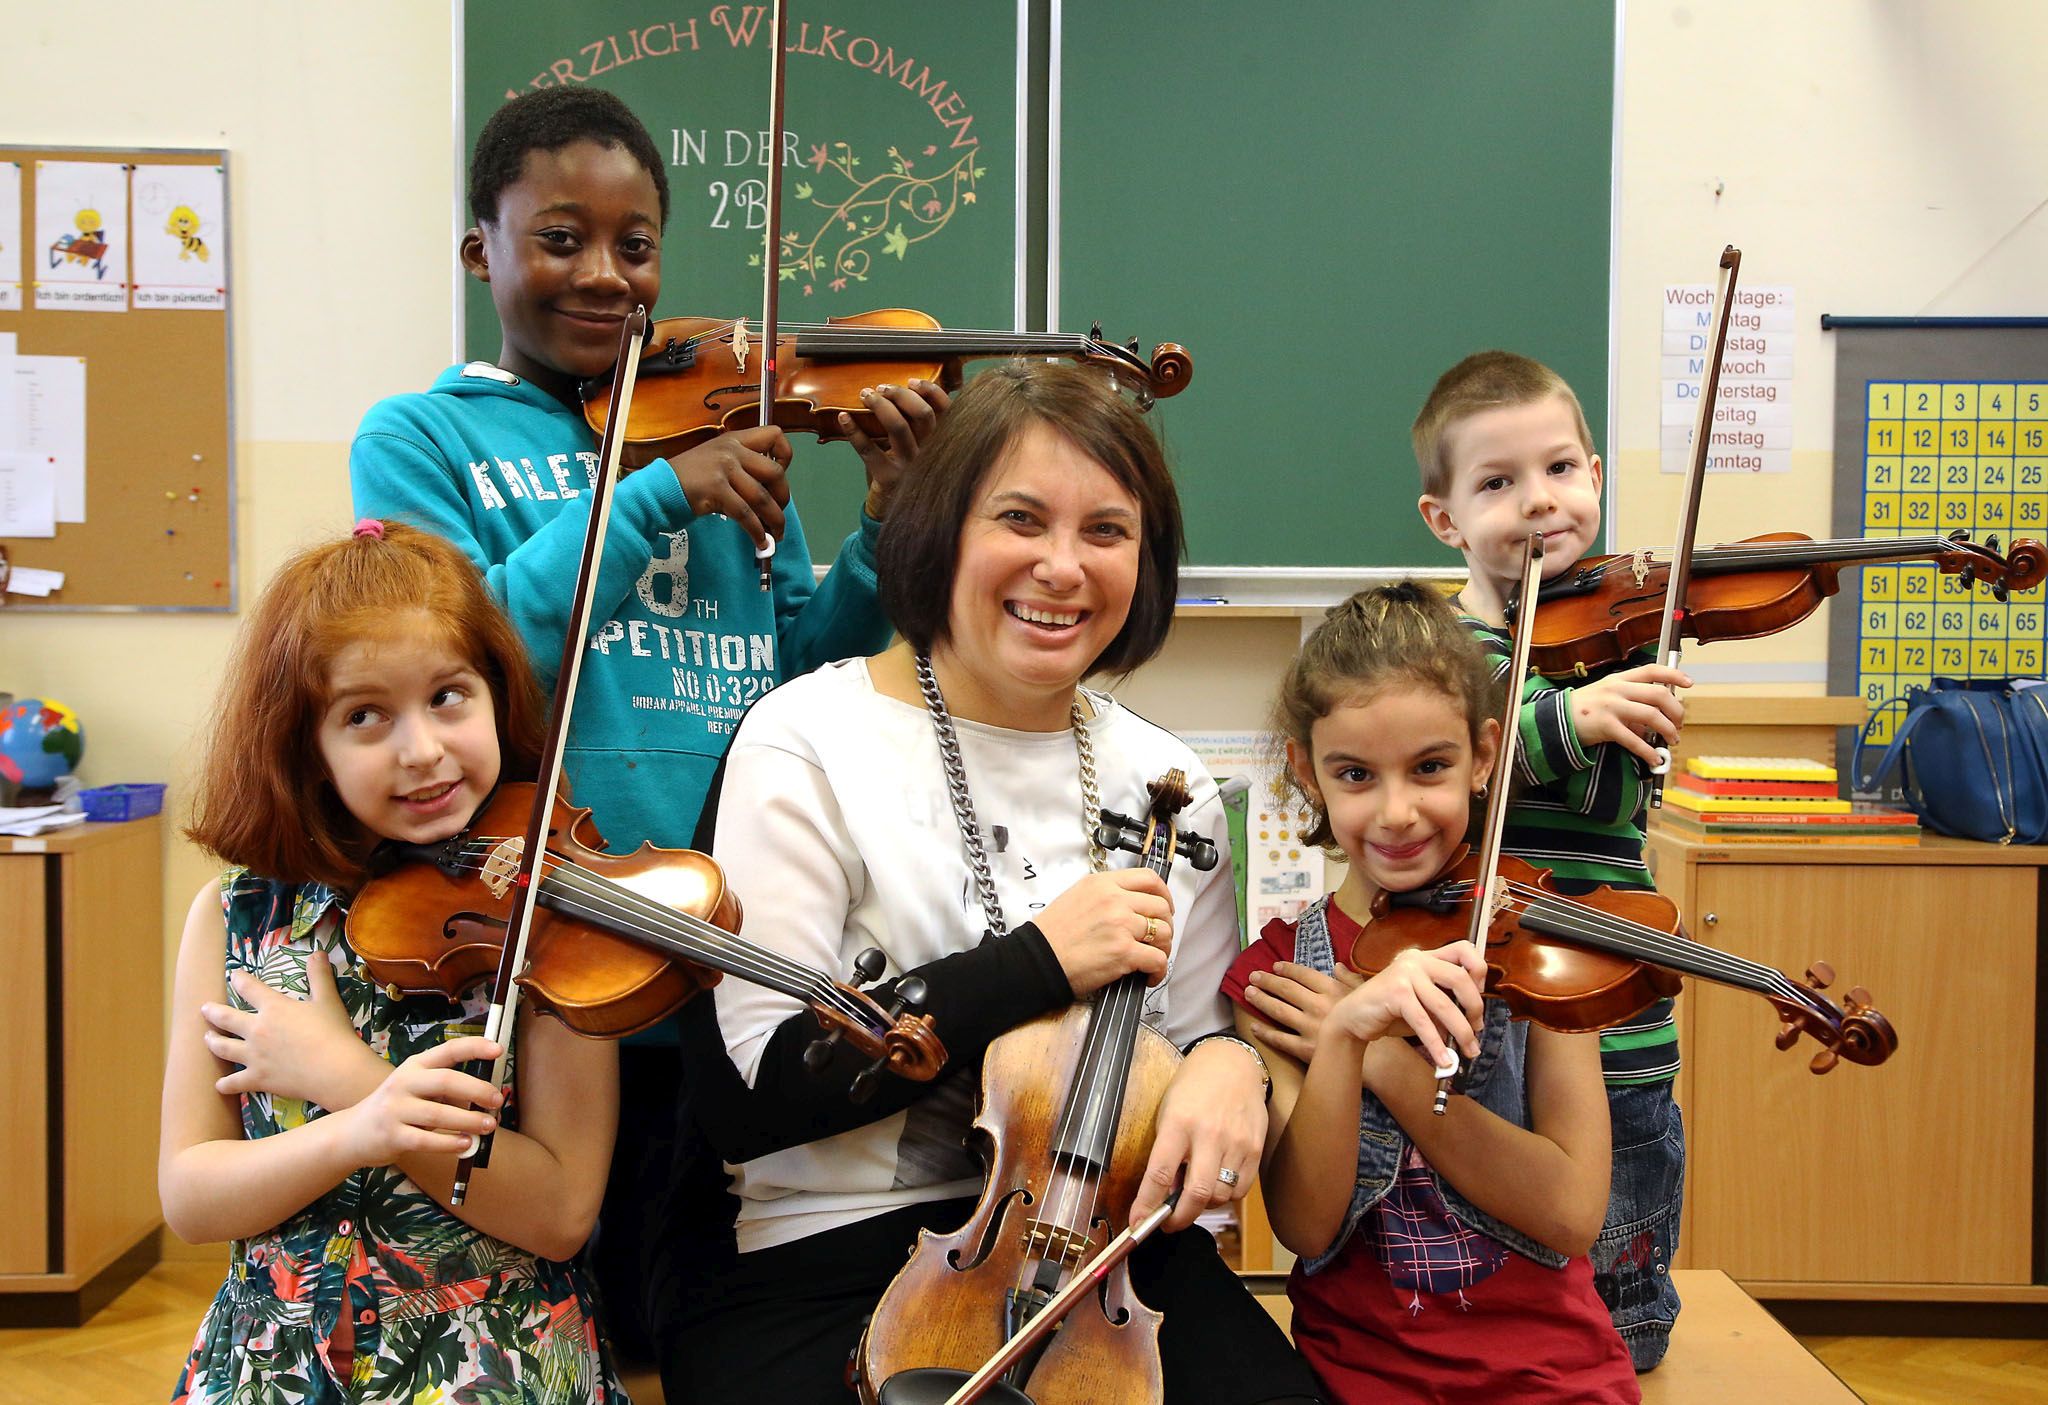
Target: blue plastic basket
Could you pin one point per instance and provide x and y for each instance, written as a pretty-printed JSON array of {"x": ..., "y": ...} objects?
[{"x": 110, "y": 804}]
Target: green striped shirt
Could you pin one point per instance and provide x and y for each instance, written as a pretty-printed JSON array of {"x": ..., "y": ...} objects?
[{"x": 1578, "y": 811}]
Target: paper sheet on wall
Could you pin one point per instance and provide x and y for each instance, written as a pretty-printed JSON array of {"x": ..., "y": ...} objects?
[
  {"x": 13, "y": 253},
  {"x": 29, "y": 580},
  {"x": 81, "y": 236},
  {"x": 49, "y": 404},
  {"x": 181, "y": 237},
  {"x": 28, "y": 495}
]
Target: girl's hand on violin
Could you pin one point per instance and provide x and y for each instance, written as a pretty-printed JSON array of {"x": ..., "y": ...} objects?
[
  {"x": 1212, "y": 1119},
  {"x": 426, "y": 1104},
  {"x": 1108, "y": 925},
  {"x": 1293, "y": 1001},
  {"x": 743, "y": 475},
  {"x": 1431, "y": 994},
  {"x": 908, "y": 415},
  {"x": 288, "y": 1047},
  {"x": 1625, "y": 708}
]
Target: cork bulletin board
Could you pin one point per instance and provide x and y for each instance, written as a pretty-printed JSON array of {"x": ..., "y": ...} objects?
[{"x": 158, "y": 528}]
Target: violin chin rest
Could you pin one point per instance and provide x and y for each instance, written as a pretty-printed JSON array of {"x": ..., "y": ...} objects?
[{"x": 935, "y": 1385}]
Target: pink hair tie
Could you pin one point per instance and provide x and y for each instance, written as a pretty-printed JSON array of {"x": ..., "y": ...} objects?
[{"x": 370, "y": 527}]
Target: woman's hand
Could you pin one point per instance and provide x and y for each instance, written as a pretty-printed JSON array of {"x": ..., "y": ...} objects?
[
  {"x": 287, "y": 1047},
  {"x": 425, "y": 1105},
  {"x": 1212, "y": 1120},
  {"x": 1108, "y": 925},
  {"x": 1293, "y": 1001},
  {"x": 743, "y": 475},
  {"x": 908, "y": 415},
  {"x": 1432, "y": 994}
]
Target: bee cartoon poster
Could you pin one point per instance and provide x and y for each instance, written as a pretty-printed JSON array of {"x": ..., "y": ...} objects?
[
  {"x": 181, "y": 237},
  {"x": 11, "y": 246},
  {"x": 80, "y": 254}
]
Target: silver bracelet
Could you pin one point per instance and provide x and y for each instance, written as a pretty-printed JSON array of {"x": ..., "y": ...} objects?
[{"x": 1244, "y": 1044}]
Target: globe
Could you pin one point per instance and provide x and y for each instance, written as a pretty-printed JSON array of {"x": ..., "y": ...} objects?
[{"x": 41, "y": 741}]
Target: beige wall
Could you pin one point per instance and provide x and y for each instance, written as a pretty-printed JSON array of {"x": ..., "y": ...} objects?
[{"x": 1879, "y": 158}]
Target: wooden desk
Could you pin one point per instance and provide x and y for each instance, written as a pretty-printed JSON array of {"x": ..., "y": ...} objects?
[
  {"x": 1727, "y": 1348},
  {"x": 1911, "y": 1181},
  {"x": 81, "y": 1066}
]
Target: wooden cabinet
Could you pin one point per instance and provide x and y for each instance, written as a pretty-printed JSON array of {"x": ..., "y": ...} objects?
[
  {"x": 1913, "y": 1180},
  {"x": 81, "y": 1066}
]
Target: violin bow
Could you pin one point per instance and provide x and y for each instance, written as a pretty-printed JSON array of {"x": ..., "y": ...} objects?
[
  {"x": 526, "y": 891},
  {"x": 1670, "y": 634},
  {"x": 771, "y": 261},
  {"x": 1487, "y": 880}
]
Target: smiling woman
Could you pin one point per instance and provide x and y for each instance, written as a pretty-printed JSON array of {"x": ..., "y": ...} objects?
[{"x": 938, "y": 800}]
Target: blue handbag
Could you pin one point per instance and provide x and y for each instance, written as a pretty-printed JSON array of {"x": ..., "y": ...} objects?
[{"x": 1970, "y": 758}]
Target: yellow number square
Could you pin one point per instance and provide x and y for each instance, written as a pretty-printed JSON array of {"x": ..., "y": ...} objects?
[
  {"x": 1923, "y": 401},
  {"x": 1957, "y": 475},
  {"x": 1949, "y": 658},
  {"x": 1880, "y": 655},
  {"x": 1994, "y": 438},
  {"x": 1951, "y": 591},
  {"x": 1994, "y": 511},
  {"x": 1908, "y": 682},
  {"x": 1917, "y": 582},
  {"x": 1884, "y": 437},
  {"x": 1880, "y": 621},
  {"x": 1915, "y": 655},
  {"x": 1881, "y": 583},
  {"x": 2024, "y": 658},
  {"x": 2030, "y": 437},
  {"x": 1994, "y": 475},
  {"x": 2030, "y": 475},
  {"x": 1988, "y": 621},
  {"x": 1922, "y": 475},
  {"x": 2025, "y": 622},
  {"x": 1956, "y": 512},
  {"x": 1887, "y": 400},
  {"x": 1987, "y": 658},
  {"x": 1959, "y": 400},
  {"x": 1883, "y": 475},
  {"x": 1920, "y": 437},
  {"x": 1880, "y": 732},
  {"x": 1917, "y": 512},
  {"x": 2030, "y": 402},
  {"x": 1958, "y": 437},
  {"x": 2029, "y": 512},
  {"x": 1994, "y": 402},
  {"x": 1916, "y": 621},
  {"x": 1881, "y": 510}
]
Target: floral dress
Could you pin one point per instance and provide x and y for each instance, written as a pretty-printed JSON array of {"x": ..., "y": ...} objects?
[{"x": 440, "y": 1311}]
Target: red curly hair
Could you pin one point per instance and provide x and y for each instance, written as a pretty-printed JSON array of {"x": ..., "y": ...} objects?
[{"x": 264, "y": 798}]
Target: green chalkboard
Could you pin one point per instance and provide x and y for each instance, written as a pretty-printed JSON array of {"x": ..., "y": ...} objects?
[
  {"x": 1329, "y": 203},
  {"x": 899, "y": 174}
]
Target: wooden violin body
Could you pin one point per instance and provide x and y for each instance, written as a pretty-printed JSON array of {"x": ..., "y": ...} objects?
[
  {"x": 619, "y": 941},
  {"x": 699, "y": 376},
  {"x": 1578, "y": 964},
  {"x": 950, "y": 1305},
  {"x": 1607, "y": 607}
]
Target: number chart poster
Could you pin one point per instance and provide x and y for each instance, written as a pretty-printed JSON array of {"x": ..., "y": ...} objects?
[
  {"x": 898, "y": 163},
  {"x": 1938, "y": 430}
]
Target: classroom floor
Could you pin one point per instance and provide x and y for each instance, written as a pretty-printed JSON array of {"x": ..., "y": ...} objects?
[{"x": 131, "y": 1351}]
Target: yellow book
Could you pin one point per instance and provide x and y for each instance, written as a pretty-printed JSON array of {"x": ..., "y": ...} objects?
[
  {"x": 1758, "y": 768},
  {"x": 1734, "y": 805}
]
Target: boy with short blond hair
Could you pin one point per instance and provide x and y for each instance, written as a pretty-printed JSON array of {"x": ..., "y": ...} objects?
[{"x": 1505, "y": 451}]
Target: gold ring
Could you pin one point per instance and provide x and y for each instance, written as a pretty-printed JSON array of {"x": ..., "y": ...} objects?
[{"x": 1151, "y": 927}]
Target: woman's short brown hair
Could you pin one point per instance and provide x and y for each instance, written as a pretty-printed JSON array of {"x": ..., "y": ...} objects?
[
  {"x": 919, "y": 554},
  {"x": 263, "y": 797}
]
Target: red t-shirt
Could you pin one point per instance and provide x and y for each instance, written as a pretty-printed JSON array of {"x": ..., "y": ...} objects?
[{"x": 1520, "y": 1332}]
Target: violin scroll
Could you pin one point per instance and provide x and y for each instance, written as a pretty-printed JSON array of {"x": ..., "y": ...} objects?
[
  {"x": 1854, "y": 1030},
  {"x": 899, "y": 1040}
]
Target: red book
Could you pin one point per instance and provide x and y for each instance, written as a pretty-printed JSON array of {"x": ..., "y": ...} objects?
[
  {"x": 1748, "y": 789},
  {"x": 1860, "y": 816}
]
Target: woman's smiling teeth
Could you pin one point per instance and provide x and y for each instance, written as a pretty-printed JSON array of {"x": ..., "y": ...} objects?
[{"x": 1031, "y": 614}]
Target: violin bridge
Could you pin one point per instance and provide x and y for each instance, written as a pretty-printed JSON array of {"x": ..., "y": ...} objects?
[
  {"x": 1063, "y": 1246},
  {"x": 1639, "y": 564},
  {"x": 501, "y": 866},
  {"x": 1496, "y": 899},
  {"x": 741, "y": 345}
]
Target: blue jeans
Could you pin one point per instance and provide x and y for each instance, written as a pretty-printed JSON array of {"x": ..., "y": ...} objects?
[{"x": 1632, "y": 1257}]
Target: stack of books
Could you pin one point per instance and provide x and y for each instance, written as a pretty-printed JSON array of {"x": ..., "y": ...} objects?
[{"x": 1775, "y": 800}]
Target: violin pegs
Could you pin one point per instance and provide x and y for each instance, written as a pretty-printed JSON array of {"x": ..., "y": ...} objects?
[
  {"x": 869, "y": 965},
  {"x": 1820, "y": 975},
  {"x": 864, "y": 1082},
  {"x": 1969, "y": 576},
  {"x": 1824, "y": 1060},
  {"x": 2001, "y": 593},
  {"x": 1788, "y": 1035},
  {"x": 1094, "y": 331},
  {"x": 1132, "y": 346},
  {"x": 818, "y": 1053},
  {"x": 911, "y": 995},
  {"x": 1856, "y": 1000},
  {"x": 1991, "y": 543}
]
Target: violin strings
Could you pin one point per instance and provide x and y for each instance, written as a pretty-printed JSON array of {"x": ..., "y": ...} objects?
[
  {"x": 892, "y": 338},
  {"x": 1635, "y": 938},
  {"x": 720, "y": 949},
  {"x": 1738, "y": 555}
]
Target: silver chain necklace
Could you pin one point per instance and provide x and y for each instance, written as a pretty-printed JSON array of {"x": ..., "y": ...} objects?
[{"x": 963, "y": 802}]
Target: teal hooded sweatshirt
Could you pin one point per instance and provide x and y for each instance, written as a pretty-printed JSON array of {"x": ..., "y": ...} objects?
[{"x": 682, "y": 638}]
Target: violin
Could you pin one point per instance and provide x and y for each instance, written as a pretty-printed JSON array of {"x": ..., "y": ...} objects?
[
  {"x": 1066, "y": 1155},
  {"x": 1607, "y": 607},
  {"x": 1578, "y": 964},
  {"x": 694, "y": 373},
  {"x": 1585, "y": 963},
  {"x": 620, "y": 942}
]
